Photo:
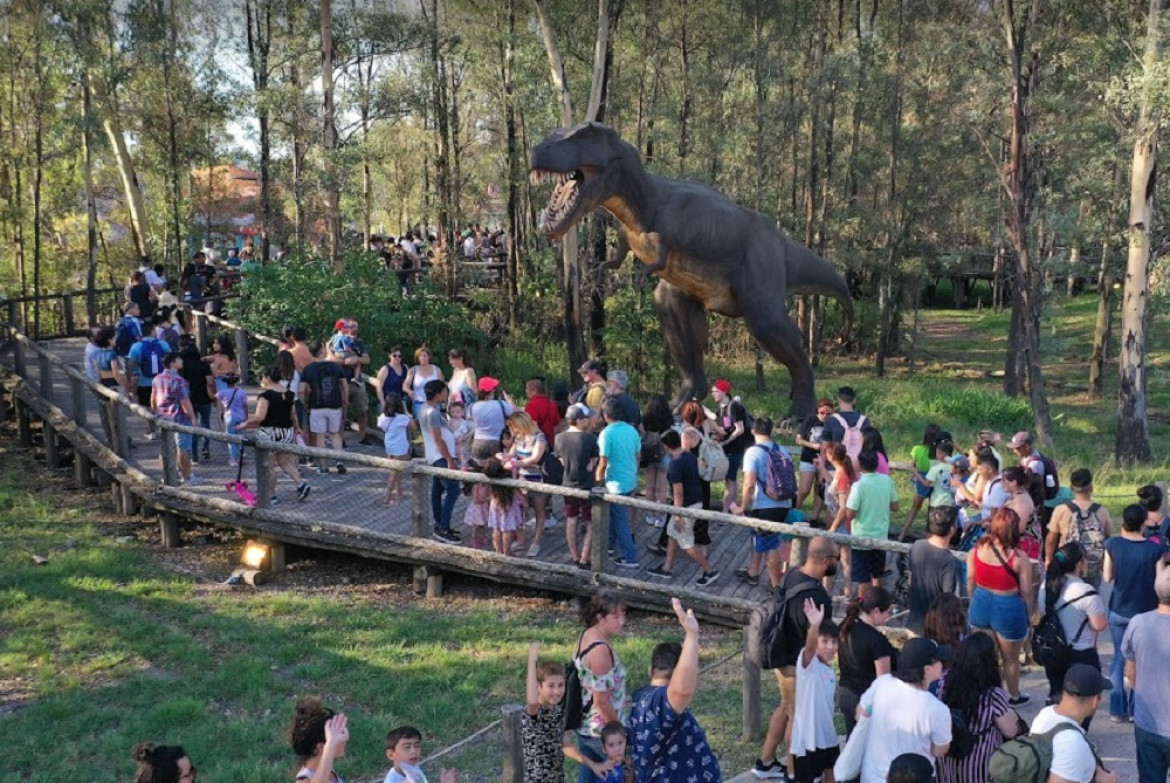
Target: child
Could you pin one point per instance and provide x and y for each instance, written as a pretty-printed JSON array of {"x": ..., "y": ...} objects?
[
  {"x": 687, "y": 492},
  {"x": 476, "y": 516},
  {"x": 463, "y": 431},
  {"x": 233, "y": 405},
  {"x": 505, "y": 510},
  {"x": 397, "y": 424},
  {"x": 937, "y": 480},
  {"x": 542, "y": 726},
  {"x": 618, "y": 766},
  {"x": 404, "y": 749},
  {"x": 814, "y": 744},
  {"x": 920, "y": 462}
]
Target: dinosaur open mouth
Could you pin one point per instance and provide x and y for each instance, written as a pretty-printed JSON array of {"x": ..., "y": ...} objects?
[{"x": 556, "y": 217}]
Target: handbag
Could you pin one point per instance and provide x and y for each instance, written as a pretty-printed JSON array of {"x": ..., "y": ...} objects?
[{"x": 848, "y": 764}]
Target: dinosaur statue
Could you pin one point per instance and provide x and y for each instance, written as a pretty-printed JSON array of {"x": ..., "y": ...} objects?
[{"x": 708, "y": 252}]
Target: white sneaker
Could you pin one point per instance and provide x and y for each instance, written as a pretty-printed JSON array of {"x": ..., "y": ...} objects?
[
  {"x": 550, "y": 522},
  {"x": 192, "y": 481}
]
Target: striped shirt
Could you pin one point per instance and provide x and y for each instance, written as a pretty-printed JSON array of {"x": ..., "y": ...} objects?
[{"x": 987, "y": 736}]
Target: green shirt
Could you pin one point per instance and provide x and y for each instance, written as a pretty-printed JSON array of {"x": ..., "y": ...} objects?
[{"x": 871, "y": 497}]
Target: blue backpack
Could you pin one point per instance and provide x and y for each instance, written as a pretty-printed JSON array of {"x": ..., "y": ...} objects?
[
  {"x": 124, "y": 337},
  {"x": 153, "y": 352}
]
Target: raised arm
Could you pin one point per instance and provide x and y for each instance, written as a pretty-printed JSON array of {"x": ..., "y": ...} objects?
[{"x": 685, "y": 679}]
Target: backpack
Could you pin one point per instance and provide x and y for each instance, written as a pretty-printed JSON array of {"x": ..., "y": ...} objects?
[
  {"x": 776, "y": 649},
  {"x": 780, "y": 481},
  {"x": 1026, "y": 759},
  {"x": 651, "y": 451},
  {"x": 962, "y": 740},
  {"x": 150, "y": 362},
  {"x": 1085, "y": 529},
  {"x": 1050, "y": 648},
  {"x": 575, "y": 704},
  {"x": 124, "y": 337},
  {"x": 713, "y": 462},
  {"x": 1050, "y": 471},
  {"x": 171, "y": 336},
  {"x": 852, "y": 439}
]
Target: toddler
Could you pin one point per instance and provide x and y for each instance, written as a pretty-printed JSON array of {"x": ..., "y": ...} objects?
[
  {"x": 505, "y": 509},
  {"x": 397, "y": 425},
  {"x": 814, "y": 745},
  {"x": 617, "y": 767},
  {"x": 233, "y": 405},
  {"x": 463, "y": 431},
  {"x": 476, "y": 516}
]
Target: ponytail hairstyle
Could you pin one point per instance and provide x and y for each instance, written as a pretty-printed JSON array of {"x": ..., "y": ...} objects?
[
  {"x": 1019, "y": 476},
  {"x": 157, "y": 763},
  {"x": 308, "y": 727},
  {"x": 840, "y": 458},
  {"x": 930, "y": 434},
  {"x": 868, "y": 599},
  {"x": 1064, "y": 561},
  {"x": 1150, "y": 496}
]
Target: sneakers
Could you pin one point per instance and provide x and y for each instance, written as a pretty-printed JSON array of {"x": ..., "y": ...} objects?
[
  {"x": 206, "y": 453},
  {"x": 1022, "y": 699},
  {"x": 341, "y": 469},
  {"x": 272, "y": 501},
  {"x": 534, "y": 550},
  {"x": 303, "y": 491},
  {"x": 773, "y": 771},
  {"x": 192, "y": 481},
  {"x": 653, "y": 521},
  {"x": 366, "y": 441},
  {"x": 707, "y": 578},
  {"x": 551, "y": 522},
  {"x": 323, "y": 469},
  {"x": 621, "y": 562},
  {"x": 584, "y": 566},
  {"x": 446, "y": 536},
  {"x": 654, "y": 549},
  {"x": 743, "y": 574},
  {"x": 660, "y": 572}
]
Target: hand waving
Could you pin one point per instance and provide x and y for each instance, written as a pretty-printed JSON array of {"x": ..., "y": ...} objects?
[
  {"x": 337, "y": 730},
  {"x": 686, "y": 618},
  {"x": 813, "y": 612}
]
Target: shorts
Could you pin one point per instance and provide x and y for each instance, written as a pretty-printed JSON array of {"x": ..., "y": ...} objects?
[
  {"x": 143, "y": 393},
  {"x": 812, "y": 765},
  {"x": 807, "y": 467},
  {"x": 325, "y": 420},
  {"x": 185, "y": 441},
  {"x": 786, "y": 677},
  {"x": 921, "y": 490},
  {"x": 359, "y": 398},
  {"x": 734, "y": 464},
  {"x": 686, "y": 536},
  {"x": 867, "y": 564},
  {"x": 766, "y": 540},
  {"x": 1007, "y": 615},
  {"x": 577, "y": 508}
]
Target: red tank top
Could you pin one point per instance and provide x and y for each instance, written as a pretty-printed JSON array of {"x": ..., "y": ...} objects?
[{"x": 997, "y": 576}]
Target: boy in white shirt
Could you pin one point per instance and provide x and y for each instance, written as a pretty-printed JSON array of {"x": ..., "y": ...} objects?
[
  {"x": 1073, "y": 759},
  {"x": 814, "y": 743}
]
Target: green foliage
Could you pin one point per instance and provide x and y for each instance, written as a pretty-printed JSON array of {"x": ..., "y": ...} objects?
[
  {"x": 633, "y": 335},
  {"x": 306, "y": 292}
]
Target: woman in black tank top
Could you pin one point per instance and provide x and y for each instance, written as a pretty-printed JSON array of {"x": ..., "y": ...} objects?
[{"x": 274, "y": 421}]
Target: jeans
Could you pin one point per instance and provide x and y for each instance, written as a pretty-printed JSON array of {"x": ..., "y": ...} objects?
[
  {"x": 233, "y": 428},
  {"x": 416, "y": 407},
  {"x": 1120, "y": 698},
  {"x": 203, "y": 418},
  {"x": 443, "y": 507},
  {"x": 619, "y": 532},
  {"x": 1153, "y": 756},
  {"x": 590, "y": 748}
]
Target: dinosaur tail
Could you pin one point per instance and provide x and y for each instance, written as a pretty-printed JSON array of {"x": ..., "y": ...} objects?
[{"x": 808, "y": 273}]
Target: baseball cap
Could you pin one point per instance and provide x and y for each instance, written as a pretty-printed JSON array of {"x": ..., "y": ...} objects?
[
  {"x": 619, "y": 377},
  {"x": 487, "y": 384},
  {"x": 1083, "y": 680},
  {"x": 590, "y": 366},
  {"x": 961, "y": 462},
  {"x": 1020, "y": 438},
  {"x": 723, "y": 385},
  {"x": 578, "y": 411},
  {"x": 922, "y": 652},
  {"x": 341, "y": 322}
]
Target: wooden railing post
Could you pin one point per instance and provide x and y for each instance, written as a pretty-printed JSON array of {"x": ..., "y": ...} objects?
[
  {"x": 265, "y": 488},
  {"x": 67, "y": 310},
  {"x": 121, "y": 429},
  {"x": 242, "y": 354},
  {"x": 52, "y": 452},
  {"x": 45, "y": 380},
  {"x": 82, "y": 469},
  {"x": 19, "y": 356},
  {"x": 513, "y": 751},
  {"x": 751, "y": 675},
  {"x": 77, "y": 391},
  {"x": 170, "y": 458},
  {"x": 420, "y": 502},
  {"x": 599, "y": 519},
  {"x": 200, "y": 324},
  {"x": 168, "y": 522},
  {"x": 23, "y": 422}
]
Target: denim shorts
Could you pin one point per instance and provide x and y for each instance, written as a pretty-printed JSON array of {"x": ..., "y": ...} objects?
[
  {"x": 184, "y": 441},
  {"x": 1005, "y": 614},
  {"x": 920, "y": 489}
]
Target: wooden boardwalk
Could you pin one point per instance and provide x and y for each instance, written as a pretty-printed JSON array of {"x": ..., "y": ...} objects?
[{"x": 346, "y": 512}]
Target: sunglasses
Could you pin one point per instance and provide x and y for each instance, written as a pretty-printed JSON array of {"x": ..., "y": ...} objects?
[{"x": 396, "y": 356}]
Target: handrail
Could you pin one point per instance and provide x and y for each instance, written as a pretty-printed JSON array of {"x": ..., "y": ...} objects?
[{"x": 797, "y": 530}]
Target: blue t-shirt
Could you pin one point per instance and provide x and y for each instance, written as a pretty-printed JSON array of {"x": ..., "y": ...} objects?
[
  {"x": 755, "y": 460},
  {"x": 619, "y": 444},
  {"x": 1135, "y": 565},
  {"x": 666, "y": 746},
  {"x": 137, "y": 355}
]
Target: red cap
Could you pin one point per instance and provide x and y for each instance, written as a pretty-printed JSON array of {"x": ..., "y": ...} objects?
[
  {"x": 723, "y": 385},
  {"x": 341, "y": 322}
]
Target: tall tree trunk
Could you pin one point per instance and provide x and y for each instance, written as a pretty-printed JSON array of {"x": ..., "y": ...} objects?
[
  {"x": 38, "y": 169},
  {"x": 1133, "y": 434},
  {"x": 515, "y": 240},
  {"x": 684, "y": 115},
  {"x": 1103, "y": 325},
  {"x": 332, "y": 184},
  {"x": 259, "y": 36},
  {"x": 441, "y": 111},
  {"x": 134, "y": 202},
  {"x": 1021, "y": 189},
  {"x": 91, "y": 230},
  {"x": 608, "y": 12}
]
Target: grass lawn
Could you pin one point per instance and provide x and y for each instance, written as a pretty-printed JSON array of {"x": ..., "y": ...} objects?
[{"x": 112, "y": 643}]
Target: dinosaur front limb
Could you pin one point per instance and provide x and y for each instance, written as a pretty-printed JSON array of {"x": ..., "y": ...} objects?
[
  {"x": 685, "y": 331},
  {"x": 779, "y": 335},
  {"x": 618, "y": 254}
]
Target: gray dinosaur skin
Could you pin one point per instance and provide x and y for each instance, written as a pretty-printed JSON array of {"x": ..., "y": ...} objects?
[{"x": 708, "y": 252}]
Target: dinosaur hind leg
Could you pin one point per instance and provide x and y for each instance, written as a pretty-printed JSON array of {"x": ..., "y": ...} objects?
[
  {"x": 778, "y": 334},
  {"x": 684, "y": 329}
]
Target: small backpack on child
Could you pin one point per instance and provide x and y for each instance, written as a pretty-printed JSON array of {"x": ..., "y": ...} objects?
[{"x": 853, "y": 438}]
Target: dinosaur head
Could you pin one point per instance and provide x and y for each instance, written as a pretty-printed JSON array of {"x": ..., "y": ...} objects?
[{"x": 586, "y": 163}]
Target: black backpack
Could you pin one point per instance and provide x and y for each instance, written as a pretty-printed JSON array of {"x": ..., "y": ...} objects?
[
  {"x": 775, "y": 646},
  {"x": 962, "y": 740},
  {"x": 1050, "y": 648},
  {"x": 575, "y": 704}
]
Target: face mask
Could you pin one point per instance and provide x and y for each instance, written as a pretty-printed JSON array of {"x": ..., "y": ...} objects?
[{"x": 831, "y": 569}]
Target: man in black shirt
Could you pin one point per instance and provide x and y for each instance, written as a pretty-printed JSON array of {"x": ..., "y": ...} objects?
[
  {"x": 834, "y": 431},
  {"x": 934, "y": 567},
  {"x": 686, "y": 489},
  {"x": 737, "y": 437},
  {"x": 822, "y": 561},
  {"x": 197, "y": 373}
]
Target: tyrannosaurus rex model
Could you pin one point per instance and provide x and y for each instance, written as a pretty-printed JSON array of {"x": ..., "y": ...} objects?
[{"x": 709, "y": 253}]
